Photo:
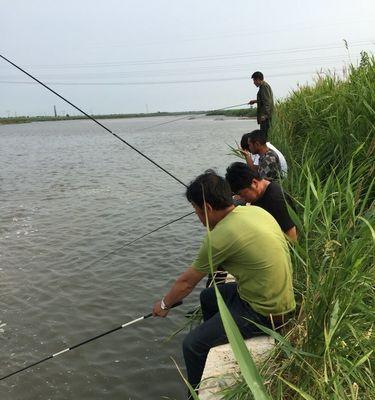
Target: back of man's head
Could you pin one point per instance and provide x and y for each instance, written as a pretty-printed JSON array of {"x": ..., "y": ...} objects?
[
  {"x": 257, "y": 75},
  {"x": 257, "y": 136},
  {"x": 216, "y": 191},
  {"x": 240, "y": 176},
  {"x": 245, "y": 141}
]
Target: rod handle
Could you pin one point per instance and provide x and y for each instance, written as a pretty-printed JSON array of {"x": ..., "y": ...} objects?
[{"x": 176, "y": 304}]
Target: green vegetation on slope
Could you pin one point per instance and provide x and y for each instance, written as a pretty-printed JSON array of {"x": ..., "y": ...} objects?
[{"x": 327, "y": 133}]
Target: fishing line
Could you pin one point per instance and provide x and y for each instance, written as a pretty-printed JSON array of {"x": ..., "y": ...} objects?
[
  {"x": 136, "y": 239},
  {"x": 82, "y": 343}
]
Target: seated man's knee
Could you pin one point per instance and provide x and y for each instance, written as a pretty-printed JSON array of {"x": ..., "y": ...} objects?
[
  {"x": 189, "y": 343},
  {"x": 207, "y": 295}
]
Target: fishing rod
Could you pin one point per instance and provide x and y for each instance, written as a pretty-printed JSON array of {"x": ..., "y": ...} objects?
[
  {"x": 199, "y": 115},
  {"x": 82, "y": 343},
  {"x": 106, "y": 128},
  {"x": 95, "y": 120}
]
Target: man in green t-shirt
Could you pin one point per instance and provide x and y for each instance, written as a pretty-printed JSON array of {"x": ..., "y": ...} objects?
[{"x": 249, "y": 244}]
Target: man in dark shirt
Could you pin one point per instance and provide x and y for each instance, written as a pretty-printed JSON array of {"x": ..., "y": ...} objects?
[
  {"x": 264, "y": 102},
  {"x": 269, "y": 164},
  {"x": 262, "y": 193}
]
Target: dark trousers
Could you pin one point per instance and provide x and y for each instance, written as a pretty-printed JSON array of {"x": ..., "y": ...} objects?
[
  {"x": 265, "y": 126},
  {"x": 211, "y": 332}
]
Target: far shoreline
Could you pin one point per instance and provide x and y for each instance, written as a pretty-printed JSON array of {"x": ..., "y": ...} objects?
[{"x": 240, "y": 113}]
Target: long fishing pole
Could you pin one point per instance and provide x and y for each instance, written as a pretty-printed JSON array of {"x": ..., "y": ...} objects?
[
  {"x": 103, "y": 126},
  {"x": 82, "y": 343},
  {"x": 199, "y": 115},
  {"x": 95, "y": 120}
]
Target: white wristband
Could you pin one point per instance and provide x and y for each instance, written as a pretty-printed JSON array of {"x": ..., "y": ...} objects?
[{"x": 163, "y": 306}]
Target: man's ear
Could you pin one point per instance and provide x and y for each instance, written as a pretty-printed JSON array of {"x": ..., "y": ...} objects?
[
  {"x": 208, "y": 208},
  {"x": 254, "y": 184}
]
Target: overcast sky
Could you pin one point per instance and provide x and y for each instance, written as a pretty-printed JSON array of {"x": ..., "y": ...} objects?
[{"x": 119, "y": 56}]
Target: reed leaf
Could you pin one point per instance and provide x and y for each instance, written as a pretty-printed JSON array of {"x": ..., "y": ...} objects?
[
  {"x": 245, "y": 361},
  {"x": 191, "y": 389},
  {"x": 298, "y": 390}
]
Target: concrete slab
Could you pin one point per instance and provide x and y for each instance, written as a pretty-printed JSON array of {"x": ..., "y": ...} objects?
[{"x": 221, "y": 367}]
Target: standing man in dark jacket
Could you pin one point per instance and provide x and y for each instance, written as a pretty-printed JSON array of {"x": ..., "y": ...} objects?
[{"x": 264, "y": 102}]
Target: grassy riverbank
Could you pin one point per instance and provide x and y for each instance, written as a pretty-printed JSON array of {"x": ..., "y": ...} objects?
[{"x": 326, "y": 132}]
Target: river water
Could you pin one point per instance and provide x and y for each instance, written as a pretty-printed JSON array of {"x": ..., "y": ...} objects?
[{"x": 70, "y": 195}]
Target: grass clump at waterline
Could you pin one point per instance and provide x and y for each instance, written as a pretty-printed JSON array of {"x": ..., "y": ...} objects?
[
  {"x": 327, "y": 133},
  {"x": 240, "y": 112}
]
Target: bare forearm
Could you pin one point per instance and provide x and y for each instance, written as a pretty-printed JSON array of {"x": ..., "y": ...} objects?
[
  {"x": 179, "y": 291},
  {"x": 183, "y": 286}
]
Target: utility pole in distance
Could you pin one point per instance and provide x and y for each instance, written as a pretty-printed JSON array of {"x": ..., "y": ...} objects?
[{"x": 54, "y": 109}]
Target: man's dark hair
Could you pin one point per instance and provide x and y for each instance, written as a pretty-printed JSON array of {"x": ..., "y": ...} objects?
[
  {"x": 245, "y": 141},
  {"x": 240, "y": 176},
  {"x": 257, "y": 75},
  {"x": 257, "y": 136},
  {"x": 216, "y": 189}
]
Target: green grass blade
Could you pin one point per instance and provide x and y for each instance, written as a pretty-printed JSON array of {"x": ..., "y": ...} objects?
[
  {"x": 191, "y": 390},
  {"x": 286, "y": 345},
  {"x": 298, "y": 390},
  {"x": 246, "y": 363}
]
